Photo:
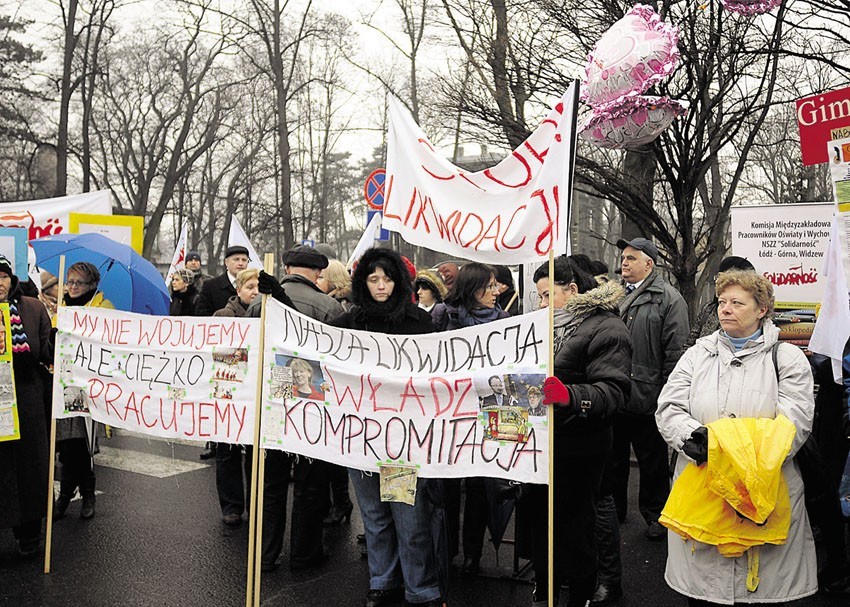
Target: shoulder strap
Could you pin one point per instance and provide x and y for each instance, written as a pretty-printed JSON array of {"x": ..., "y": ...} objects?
[{"x": 774, "y": 354}]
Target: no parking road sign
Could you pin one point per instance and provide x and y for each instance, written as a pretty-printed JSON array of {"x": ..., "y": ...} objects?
[{"x": 373, "y": 190}]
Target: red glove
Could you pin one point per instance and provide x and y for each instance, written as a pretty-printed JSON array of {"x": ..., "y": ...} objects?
[{"x": 555, "y": 392}]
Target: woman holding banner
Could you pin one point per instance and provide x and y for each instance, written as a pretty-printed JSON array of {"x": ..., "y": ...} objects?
[
  {"x": 76, "y": 436},
  {"x": 405, "y": 543},
  {"x": 24, "y": 461},
  {"x": 592, "y": 363},
  {"x": 472, "y": 300}
]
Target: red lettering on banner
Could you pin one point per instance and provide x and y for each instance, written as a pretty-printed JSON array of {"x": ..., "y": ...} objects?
[
  {"x": 373, "y": 395},
  {"x": 347, "y": 392},
  {"x": 438, "y": 411},
  {"x": 489, "y": 174},
  {"x": 463, "y": 227},
  {"x": 508, "y": 229},
  {"x": 411, "y": 393},
  {"x": 497, "y": 222},
  {"x": 387, "y": 200},
  {"x": 794, "y": 276},
  {"x": 467, "y": 382},
  {"x": 547, "y": 231},
  {"x": 427, "y": 170}
]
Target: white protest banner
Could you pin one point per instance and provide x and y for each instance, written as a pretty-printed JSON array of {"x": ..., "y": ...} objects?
[
  {"x": 511, "y": 213},
  {"x": 182, "y": 377},
  {"x": 237, "y": 236},
  {"x": 51, "y": 215},
  {"x": 454, "y": 404},
  {"x": 786, "y": 243}
]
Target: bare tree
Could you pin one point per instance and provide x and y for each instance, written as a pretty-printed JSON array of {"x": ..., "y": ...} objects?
[
  {"x": 161, "y": 108},
  {"x": 679, "y": 189}
]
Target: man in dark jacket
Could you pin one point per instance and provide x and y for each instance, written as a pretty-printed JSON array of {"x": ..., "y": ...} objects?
[
  {"x": 215, "y": 292},
  {"x": 193, "y": 264},
  {"x": 298, "y": 289},
  {"x": 229, "y": 465},
  {"x": 657, "y": 318}
]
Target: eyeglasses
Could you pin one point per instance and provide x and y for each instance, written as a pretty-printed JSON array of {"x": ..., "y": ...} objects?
[
  {"x": 77, "y": 283},
  {"x": 493, "y": 286}
]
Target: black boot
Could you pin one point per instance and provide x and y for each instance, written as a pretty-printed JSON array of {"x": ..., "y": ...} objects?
[
  {"x": 60, "y": 507},
  {"x": 87, "y": 491},
  {"x": 67, "y": 490}
]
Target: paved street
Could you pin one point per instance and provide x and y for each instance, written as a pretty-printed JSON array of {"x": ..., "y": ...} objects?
[{"x": 158, "y": 540}]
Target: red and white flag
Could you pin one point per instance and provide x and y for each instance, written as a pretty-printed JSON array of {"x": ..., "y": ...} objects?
[{"x": 178, "y": 260}]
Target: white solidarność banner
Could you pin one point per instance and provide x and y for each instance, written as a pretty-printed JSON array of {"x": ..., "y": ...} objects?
[
  {"x": 51, "y": 215},
  {"x": 182, "y": 377},
  {"x": 454, "y": 404},
  {"x": 511, "y": 213},
  {"x": 786, "y": 243}
]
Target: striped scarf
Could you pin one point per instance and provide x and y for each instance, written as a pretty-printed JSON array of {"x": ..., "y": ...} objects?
[{"x": 19, "y": 336}]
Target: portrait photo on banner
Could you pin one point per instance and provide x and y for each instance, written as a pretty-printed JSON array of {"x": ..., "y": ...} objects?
[
  {"x": 507, "y": 401},
  {"x": 295, "y": 377}
]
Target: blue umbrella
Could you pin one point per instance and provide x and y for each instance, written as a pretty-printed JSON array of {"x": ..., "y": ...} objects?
[{"x": 127, "y": 279}]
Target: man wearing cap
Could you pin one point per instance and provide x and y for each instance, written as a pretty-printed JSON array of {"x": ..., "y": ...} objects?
[
  {"x": 215, "y": 292},
  {"x": 193, "y": 263},
  {"x": 303, "y": 266},
  {"x": 657, "y": 318}
]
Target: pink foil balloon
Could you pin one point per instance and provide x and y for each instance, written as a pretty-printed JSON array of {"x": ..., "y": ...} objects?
[
  {"x": 750, "y": 7},
  {"x": 637, "y": 121},
  {"x": 635, "y": 53}
]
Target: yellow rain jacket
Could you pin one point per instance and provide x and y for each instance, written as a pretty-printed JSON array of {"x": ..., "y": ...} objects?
[{"x": 739, "y": 498}]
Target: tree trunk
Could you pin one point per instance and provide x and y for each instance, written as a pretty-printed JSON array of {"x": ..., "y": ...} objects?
[{"x": 65, "y": 101}]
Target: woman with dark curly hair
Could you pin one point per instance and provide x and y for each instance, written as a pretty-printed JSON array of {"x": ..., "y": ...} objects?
[{"x": 402, "y": 540}]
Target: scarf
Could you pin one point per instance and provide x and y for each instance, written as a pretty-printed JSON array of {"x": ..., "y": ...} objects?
[
  {"x": 81, "y": 300},
  {"x": 390, "y": 311},
  {"x": 566, "y": 323},
  {"x": 19, "y": 336},
  {"x": 477, "y": 316}
]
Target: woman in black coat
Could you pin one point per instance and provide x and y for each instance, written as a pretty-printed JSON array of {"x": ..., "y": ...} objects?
[
  {"x": 183, "y": 293},
  {"x": 23, "y": 462},
  {"x": 404, "y": 542},
  {"x": 592, "y": 363}
]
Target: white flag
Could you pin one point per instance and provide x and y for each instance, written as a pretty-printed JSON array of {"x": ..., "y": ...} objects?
[
  {"x": 178, "y": 260},
  {"x": 238, "y": 236},
  {"x": 833, "y": 325},
  {"x": 367, "y": 240}
]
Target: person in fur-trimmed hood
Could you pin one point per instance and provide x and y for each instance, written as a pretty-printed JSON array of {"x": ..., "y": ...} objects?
[
  {"x": 591, "y": 382},
  {"x": 430, "y": 289},
  {"x": 401, "y": 540}
]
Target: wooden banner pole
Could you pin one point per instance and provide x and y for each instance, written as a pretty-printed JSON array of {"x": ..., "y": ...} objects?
[
  {"x": 551, "y": 428},
  {"x": 255, "y": 497},
  {"x": 51, "y": 475}
]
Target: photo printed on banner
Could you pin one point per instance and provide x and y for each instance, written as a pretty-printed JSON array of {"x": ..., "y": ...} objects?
[
  {"x": 75, "y": 400},
  {"x": 507, "y": 402},
  {"x": 294, "y": 377}
]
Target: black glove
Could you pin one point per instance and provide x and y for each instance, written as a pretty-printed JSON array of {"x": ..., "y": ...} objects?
[
  {"x": 696, "y": 447},
  {"x": 268, "y": 284}
]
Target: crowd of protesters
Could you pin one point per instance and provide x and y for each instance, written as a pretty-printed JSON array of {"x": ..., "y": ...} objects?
[{"x": 631, "y": 376}]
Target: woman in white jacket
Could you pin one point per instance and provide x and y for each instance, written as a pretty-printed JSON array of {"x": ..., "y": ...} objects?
[{"x": 734, "y": 372}]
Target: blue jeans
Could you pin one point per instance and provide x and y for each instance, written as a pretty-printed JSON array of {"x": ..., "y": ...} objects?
[{"x": 405, "y": 543}]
